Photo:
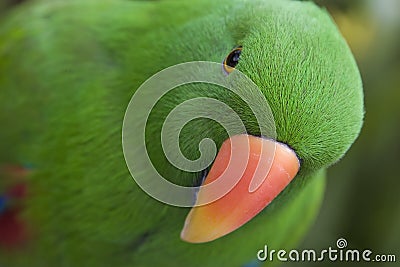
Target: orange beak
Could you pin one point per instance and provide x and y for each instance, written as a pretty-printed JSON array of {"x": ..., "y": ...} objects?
[{"x": 270, "y": 168}]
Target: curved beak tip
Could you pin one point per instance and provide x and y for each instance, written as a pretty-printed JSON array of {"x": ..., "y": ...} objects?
[{"x": 270, "y": 167}]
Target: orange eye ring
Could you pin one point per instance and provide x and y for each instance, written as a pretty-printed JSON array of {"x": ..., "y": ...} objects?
[{"x": 232, "y": 60}]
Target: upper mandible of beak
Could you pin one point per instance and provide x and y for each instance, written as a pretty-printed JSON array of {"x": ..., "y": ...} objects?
[{"x": 270, "y": 168}]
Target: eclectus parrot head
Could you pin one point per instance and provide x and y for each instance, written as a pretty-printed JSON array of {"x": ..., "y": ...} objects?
[
  {"x": 71, "y": 89},
  {"x": 296, "y": 56}
]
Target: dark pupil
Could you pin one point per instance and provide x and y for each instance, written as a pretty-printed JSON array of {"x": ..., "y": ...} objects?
[{"x": 233, "y": 58}]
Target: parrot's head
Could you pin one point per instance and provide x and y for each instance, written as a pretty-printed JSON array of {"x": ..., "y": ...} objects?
[{"x": 303, "y": 67}]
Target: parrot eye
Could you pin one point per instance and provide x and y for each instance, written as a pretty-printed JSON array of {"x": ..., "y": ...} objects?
[{"x": 232, "y": 60}]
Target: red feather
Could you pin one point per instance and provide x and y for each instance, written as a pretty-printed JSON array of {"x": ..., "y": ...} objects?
[{"x": 12, "y": 230}]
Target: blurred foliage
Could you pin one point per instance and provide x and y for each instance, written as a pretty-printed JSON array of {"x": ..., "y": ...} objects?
[
  {"x": 7, "y": 4},
  {"x": 362, "y": 199}
]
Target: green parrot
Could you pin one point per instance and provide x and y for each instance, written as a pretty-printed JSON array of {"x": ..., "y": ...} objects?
[{"x": 68, "y": 70}]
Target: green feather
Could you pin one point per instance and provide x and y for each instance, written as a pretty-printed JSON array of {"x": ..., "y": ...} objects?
[{"x": 67, "y": 72}]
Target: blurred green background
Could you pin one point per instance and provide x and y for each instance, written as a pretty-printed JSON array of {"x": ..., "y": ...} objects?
[{"x": 362, "y": 198}]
